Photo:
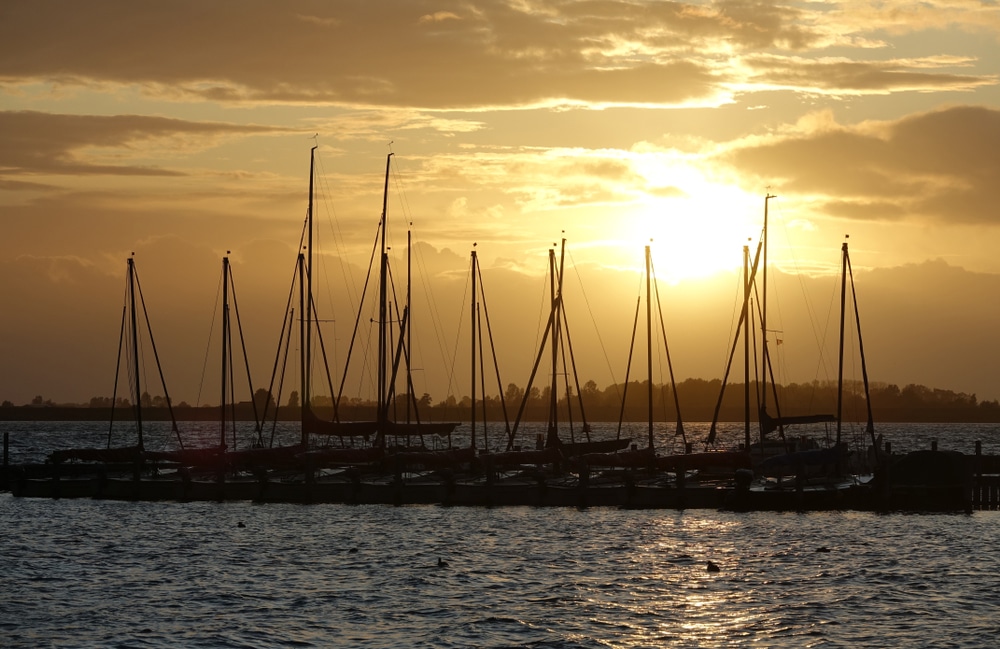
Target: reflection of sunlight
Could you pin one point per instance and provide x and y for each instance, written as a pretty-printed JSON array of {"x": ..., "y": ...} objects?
[{"x": 691, "y": 606}]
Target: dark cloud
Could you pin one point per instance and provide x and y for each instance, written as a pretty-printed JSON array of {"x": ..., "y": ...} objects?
[
  {"x": 35, "y": 142},
  {"x": 843, "y": 76},
  {"x": 445, "y": 54},
  {"x": 940, "y": 165}
]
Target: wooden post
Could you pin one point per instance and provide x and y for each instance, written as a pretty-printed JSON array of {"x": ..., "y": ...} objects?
[{"x": 6, "y": 460}]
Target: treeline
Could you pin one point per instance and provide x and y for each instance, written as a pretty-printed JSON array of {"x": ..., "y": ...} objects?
[{"x": 698, "y": 400}]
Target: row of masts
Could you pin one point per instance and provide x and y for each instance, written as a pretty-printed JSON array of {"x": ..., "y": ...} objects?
[{"x": 557, "y": 330}]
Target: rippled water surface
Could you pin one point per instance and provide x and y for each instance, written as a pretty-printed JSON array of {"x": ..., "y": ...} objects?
[
  {"x": 88, "y": 573},
  {"x": 120, "y": 574}
]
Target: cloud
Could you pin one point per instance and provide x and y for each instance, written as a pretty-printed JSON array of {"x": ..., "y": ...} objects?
[
  {"x": 940, "y": 165},
  {"x": 35, "y": 142},
  {"x": 449, "y": 55},
  {"x": 840, "y": 76}
]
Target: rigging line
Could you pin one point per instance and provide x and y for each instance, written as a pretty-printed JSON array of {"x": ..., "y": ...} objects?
[
  {"x": 482, "y": 382},
  {"x": 156, "y": 357},
  {"x": 545, "y": 304},
  {"x": 809, "y": 308},
  {"x": 281, "y": 376},
  {"x": 670, "y": 365},
  {"x": 357, "y": 321},
  {"x": 208, "y": 343},
  {"x": 286, "y": 326},
  {"x": 496, "y": 364},
  {"x": 401, "y": 196},
  {"x": 593, "y": 319},
  {"x": 735, "y": 321},
  {"x": 565, "y": 372},
  {"x": 436, "y": 318},
  {"x": 576, "y": 377},
  {"x": 628, "y": 366},
  {"x": 118, "y": 367},
  {"x": 340, "y": 241},
  {"x": 328, "y": 285},
  {"x": 243, "y": 343},
  {"x": 821, "y": 362},
  {"x": 466, "y": 295},
  {"x": 326, "y": 365}
]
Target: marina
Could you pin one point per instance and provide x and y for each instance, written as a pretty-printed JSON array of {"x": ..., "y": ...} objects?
[{"x": 921, "y": 479}]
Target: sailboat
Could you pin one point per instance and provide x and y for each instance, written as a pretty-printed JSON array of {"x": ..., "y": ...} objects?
[
  {"x": 392, "y": 348},
  {"x": 561, "y": 351},
  {"x": 767, "y": 423},
  {"x": 213, "y": 456},
  {"x": 832, "y": 460},
  {"x": 129, "y": 345},
  {"x": 90, "y": 466}
]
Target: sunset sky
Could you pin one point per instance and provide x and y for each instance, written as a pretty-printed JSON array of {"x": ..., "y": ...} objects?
[{"x": 181, "y": 130}]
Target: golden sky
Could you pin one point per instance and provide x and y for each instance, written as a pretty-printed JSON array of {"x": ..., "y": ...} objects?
[{"x": 181, "y": 130}]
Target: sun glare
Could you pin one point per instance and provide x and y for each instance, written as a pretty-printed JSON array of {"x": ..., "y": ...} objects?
[{"x": 696, "y": 235}]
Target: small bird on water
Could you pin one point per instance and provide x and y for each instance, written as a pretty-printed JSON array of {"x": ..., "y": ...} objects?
[
  {"x": 442, "y": 563},
  {"x": 712, "y": 567}
]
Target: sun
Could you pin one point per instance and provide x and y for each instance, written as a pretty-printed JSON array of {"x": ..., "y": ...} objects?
[{"x": 698, "y": 234}]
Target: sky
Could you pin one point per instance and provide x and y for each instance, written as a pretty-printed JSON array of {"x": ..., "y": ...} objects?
[{"x": 179, "y": 132}]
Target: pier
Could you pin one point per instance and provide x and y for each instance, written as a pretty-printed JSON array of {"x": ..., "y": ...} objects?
[{"x": 924, "y": 480}]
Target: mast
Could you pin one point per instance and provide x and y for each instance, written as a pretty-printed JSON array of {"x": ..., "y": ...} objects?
[
  {"x": 553, "y": 392},
  {"x": 649, "y": 349},
  {"x": 135, "y": 349},
  {"x": 409, "y": 311},
  {"x": 861, "y": 351},
  {"x": 765, "y": 359},
  {"x": 225, "y": 346},
  {"x": 304, "y": 406},
  {"x": 383, "y": 342},
  {"x": 746, "y": 347},
  {"x": 473, "y": 314},
  {"x": 305, "y": 305},
  {"x": 840, "y": 365}
]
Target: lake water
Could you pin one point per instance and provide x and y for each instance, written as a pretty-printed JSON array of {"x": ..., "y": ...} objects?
[{"x": 88, "y": 573}]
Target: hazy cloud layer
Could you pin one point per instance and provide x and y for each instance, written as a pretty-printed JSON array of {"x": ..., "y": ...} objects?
[{"x": 454, "y": 54}]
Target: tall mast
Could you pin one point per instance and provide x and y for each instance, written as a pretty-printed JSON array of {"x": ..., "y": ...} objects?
[
  {"x": 474, "y": 310},
  {"x": 763, "y": 319},
  {"x": 409, "y": 317},
  {"x": 303, "y": 357},
  {"x": 554, "y": 389},
  {"x": 308, "y": 306},
  {"x": 135, "y": 350},
  {"x": 225, "y": 346},
  {"x": 840, "y": 366},
  {"x": 649, "y": 348},
  {"x": 383, "y": 342},
  {"x": 746, "y": 347}
]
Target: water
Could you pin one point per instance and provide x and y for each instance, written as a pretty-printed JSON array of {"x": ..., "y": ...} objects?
[
  {"x": 88, "y": 573},
  {"x": 118, "y": 574},
  {"x": 32, "y": 441}
]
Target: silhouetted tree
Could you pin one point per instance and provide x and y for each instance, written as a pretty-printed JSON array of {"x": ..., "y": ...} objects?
[{"x": 262, "y": 398}]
